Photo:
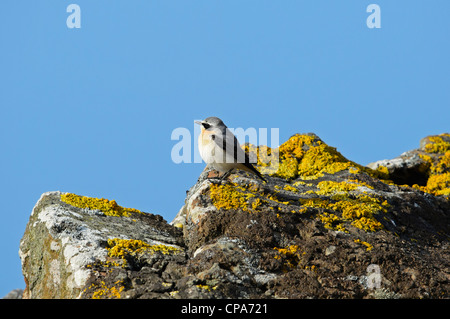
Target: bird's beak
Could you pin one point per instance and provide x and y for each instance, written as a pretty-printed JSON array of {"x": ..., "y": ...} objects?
[{"x": 198, "y": 122}]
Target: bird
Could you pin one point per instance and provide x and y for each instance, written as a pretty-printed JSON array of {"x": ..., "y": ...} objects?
[{"x": 221, "y": 150}]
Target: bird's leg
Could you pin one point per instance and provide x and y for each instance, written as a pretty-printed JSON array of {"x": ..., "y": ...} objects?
[{"x": 226, "y": 174}]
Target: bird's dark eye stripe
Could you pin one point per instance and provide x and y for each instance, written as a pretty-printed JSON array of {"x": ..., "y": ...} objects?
[{"x": 206, "y": 125}]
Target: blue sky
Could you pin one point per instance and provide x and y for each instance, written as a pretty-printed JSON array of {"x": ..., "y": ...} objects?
[{"x": 91, "y": 110}]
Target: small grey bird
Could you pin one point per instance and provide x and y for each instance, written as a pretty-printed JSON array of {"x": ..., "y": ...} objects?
[{"x": 220, "y": 149}]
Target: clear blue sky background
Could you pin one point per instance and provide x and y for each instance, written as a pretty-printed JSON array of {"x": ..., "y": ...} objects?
[{"x": 91, "y": 110}]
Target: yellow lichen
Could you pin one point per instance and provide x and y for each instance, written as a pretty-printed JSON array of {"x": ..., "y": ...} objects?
[
  {"x": 369, "y": 247},
  {"x": 288, "y": 168},
  {"x": 312, "y": 268},
  {"x": 439, "y": 184},
  {"x": 359, "y": 183},
  {"x": 290, "y": 188},
  {"x": 308, "y": 158},
  {"x": 437, "y": 145},
  {"x": 231, "y": 196},
  {"x": 314, "y": 202},
  {"x": 294, "y": 146},
  {"x": 256, "y": 203},
  {"x": 290, "y": 256},
  {"x": 331, "y": 187},
  {"x": 321, "y": 159},
  {"x": 332, "y": 221},
  {"x": 273, "y": 198},
  {"x": 206, "y": 287},
  {"x": 122, "y": 248},
  {"x": 383, "y": 170},
  {"x": 442, "y": 165},
  {"x": 358, "y": 209},
  {"x": 102, "y": 291},
  {"x": 437, "y": 166},
  {"x": 109, "y": 207},
  {"x": 354, "y": 170}
]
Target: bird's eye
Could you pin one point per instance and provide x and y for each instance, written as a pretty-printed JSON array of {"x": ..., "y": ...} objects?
[{"x": 206, "y": 125}]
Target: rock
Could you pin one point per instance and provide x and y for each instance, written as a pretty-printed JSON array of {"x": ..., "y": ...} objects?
[
  {"x": 14, "y": 294},
  {"x": 415, "y": 167},
  {"x": 329, "y": 250},
  {"x": 64, "y": 247},
  {"x": 409, "y": 168},
  {"x": 322, "y": 227}
]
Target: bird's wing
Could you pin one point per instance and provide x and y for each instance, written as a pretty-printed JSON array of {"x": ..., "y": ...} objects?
[{"x": 231, "y": 146}]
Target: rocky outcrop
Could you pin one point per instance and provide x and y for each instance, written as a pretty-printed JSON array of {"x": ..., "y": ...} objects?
[
  {"x": 14, "y": 294},
  {"x": 66, "y": 243},
  {"x": 322, "y": 227}
]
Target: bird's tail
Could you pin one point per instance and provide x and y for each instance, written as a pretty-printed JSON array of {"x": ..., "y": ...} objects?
[{"x": 253, "y": 170}]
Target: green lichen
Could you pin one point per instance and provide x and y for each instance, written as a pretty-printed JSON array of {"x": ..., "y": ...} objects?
[{"x": 109, "y": 207}]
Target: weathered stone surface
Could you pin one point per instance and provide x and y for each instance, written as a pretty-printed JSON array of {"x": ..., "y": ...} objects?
[
  {"x": 14, "y": 294},
  {"x": 408, "y": 168},
  {"x": 322, "y": 227},
  {"x": 62, "y": 243}
]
